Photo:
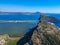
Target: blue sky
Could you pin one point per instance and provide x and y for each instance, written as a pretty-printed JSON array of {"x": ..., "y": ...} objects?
[{"x": 45, "y": 6}]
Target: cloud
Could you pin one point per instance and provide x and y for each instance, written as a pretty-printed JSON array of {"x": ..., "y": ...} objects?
[{"x": 43, "y": 9}]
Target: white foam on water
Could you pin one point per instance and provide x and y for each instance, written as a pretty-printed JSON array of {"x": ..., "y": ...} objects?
[{"x": 15, "y": 21}]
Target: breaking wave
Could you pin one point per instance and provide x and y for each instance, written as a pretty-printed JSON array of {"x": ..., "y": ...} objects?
[{"x": 15, "y": 21}]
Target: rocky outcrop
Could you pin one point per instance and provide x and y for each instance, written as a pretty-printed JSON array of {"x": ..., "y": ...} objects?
[
  {"x": 46, "y": 33},
  {"x": 3, "y": 39}
]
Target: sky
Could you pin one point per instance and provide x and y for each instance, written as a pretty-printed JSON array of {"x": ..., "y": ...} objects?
[{"x": 44, "y": 6}]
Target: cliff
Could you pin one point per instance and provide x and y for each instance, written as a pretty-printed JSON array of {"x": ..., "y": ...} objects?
[{"x": 46, "y": 33}]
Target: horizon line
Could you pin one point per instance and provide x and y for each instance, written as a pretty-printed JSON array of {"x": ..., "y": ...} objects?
[{"x": 26, "y": 12}]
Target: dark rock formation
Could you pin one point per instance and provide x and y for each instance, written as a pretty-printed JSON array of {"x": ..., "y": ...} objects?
[{"x": 26, "y": 38}]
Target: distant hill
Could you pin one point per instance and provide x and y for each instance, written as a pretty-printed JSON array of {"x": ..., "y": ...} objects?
[{"x": 19, "y": 16}]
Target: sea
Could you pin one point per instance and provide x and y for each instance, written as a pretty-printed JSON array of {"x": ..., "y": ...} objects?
[
  {"x": 17, "y": 24},
  {"x": 20, "y": 24},
  {"x": 57, "y": 24}
]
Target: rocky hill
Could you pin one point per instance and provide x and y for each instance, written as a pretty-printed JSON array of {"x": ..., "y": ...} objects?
[{"x": 46, "y": 33}]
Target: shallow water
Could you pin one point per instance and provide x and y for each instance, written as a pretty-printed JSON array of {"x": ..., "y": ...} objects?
[{"x": 16, "y": 29}]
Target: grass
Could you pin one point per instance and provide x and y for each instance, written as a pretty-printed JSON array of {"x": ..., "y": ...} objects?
[{"x": 12, "y": 41}]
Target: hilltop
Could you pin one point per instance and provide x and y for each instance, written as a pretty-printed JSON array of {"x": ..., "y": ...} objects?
[{"x": 46, "y": 33}]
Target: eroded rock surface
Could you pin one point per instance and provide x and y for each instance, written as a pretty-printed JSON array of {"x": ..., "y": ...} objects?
[{"x": 46, "y": 33}]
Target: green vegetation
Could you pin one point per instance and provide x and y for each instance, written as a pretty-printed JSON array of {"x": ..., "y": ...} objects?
[
  {"x": 12, "y": 41},
  {"x": 5, "y": 39}
]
